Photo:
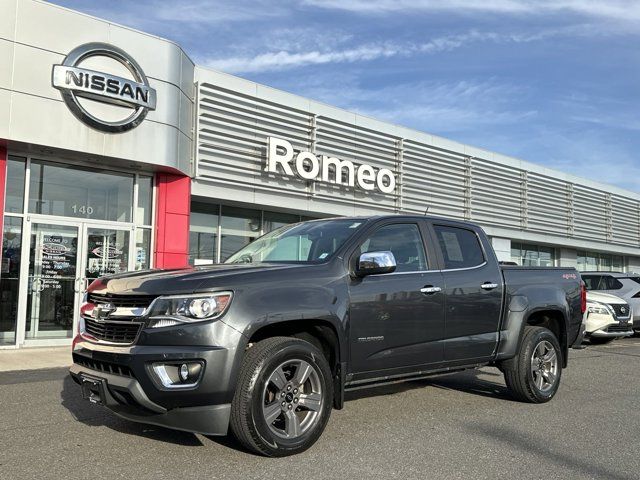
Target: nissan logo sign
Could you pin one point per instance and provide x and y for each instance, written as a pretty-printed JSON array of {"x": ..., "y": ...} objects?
[{"x": 75, "y": 82}]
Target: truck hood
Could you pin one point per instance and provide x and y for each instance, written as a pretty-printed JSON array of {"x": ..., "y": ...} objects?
[{"x": 182, "y": 281}]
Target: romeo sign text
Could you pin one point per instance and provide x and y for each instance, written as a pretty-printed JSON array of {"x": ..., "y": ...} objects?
[{"x": 281, "y": 158}]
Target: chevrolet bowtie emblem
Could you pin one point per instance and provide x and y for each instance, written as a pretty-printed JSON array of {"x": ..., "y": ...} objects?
[{"x": 103, "y": 310}]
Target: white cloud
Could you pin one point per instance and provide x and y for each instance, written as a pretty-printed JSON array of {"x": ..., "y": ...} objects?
[
  {"x": 443, "y": 108},
  {"x": 622, "y": 10},
  {"x": 286, "y": 59},
  {"x": 283, "y": 60}
]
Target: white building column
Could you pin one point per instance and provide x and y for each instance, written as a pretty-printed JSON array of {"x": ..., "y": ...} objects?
[
  {"x": 502, "y": 247},
  {"x": 568, "y": 257}
]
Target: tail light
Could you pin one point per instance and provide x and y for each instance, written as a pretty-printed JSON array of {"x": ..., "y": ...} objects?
[{"x": 583, "y": 297}]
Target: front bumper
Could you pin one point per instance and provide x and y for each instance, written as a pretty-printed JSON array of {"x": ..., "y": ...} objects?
[
  {"x": 607, "y": 334},
  {"x": 607, "y": 326},
  {"x": 132, "y": 390},
  {"x": 126, "y": 398}
]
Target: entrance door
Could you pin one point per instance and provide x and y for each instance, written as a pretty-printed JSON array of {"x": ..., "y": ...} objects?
[
  {"x": 64, "y": 258},
  {"x": 52, "y": 282},
  {"x": 106, "y": 252}
]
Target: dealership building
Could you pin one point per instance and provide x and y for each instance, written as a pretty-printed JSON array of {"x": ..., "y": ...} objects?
[{"x": 118, "y": 153}]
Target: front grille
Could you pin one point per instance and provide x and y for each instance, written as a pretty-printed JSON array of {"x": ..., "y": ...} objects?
[
  {"x": 106, "y": 367},
  {"x": 116, "y": 332},
  {"x": 127, "y": 301},
  {"x": 619, "y": 328},
  {"x": 618, "y": 309}
]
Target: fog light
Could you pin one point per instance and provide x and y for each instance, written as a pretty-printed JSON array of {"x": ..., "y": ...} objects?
[
  {"x": 184, "y": 372},
  {"x": 181, "y": 375}
]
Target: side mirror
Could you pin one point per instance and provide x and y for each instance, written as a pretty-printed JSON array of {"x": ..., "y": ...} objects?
[{"x": 375, "y": 263}]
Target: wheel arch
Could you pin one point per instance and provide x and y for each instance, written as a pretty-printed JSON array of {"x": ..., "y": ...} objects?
[
  {"x": 554, "y": 320},
  {"x": 320, "y": 333},
  {"x": 552, "y": 317}
]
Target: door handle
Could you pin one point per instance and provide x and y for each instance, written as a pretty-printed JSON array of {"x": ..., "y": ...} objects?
[
  {"x": 428, "y": 290},
  {"x": 489, "y": 286}
]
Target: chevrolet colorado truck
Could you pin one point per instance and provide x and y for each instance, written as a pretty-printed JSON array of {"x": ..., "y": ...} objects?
[{"x": 268, "y": 343}]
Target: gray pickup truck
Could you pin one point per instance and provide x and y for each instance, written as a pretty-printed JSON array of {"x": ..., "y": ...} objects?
[{"x": 269, "y": 342}]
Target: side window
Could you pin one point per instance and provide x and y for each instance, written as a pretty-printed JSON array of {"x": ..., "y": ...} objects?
[
  {"x": 592, "y": 282},
  {"x": 404, "y": 241},
  {"x": 460, "y": 247},
  {"x": 612, "y": 283}
]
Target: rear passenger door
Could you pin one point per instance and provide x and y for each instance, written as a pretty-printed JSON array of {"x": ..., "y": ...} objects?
[{"x": 473, "y": 286}]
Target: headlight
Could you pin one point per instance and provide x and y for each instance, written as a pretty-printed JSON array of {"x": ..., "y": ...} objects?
[
  {"x": 599, "y": 308},
  {"x": 173, "y": 310}
]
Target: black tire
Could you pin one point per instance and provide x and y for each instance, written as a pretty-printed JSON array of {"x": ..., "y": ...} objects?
[
  {"x": 519, "y": 371},
  {"x": 600, "y": 340},
  {"x": 248, "y": 417}
]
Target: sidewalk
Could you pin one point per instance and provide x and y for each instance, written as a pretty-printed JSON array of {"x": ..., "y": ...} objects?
[{"x": 35, "y": 358}]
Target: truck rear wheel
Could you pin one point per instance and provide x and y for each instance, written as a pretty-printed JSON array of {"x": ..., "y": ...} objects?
[
  {"x": 283, "y": 398},
  {"x": 533, "y": 375}
]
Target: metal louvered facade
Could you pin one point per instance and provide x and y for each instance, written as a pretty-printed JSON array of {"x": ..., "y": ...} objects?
[{"x": 510, "y": 198}]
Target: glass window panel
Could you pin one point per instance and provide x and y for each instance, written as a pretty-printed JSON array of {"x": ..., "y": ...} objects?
[
  {"x": 143, "y": 248},
  {"x": 582, "y": 261},
  {"x": 145, "y": 190},
  {"x": 460, "y": 247},
  {"x": 605, "y": 263},
  {"x": 616, "y": 263},
  {"x": 52, "y": 281},
  {"x": 14, "y": 199},
  {"x": 203, "y": 232},
  {"x": 107, "y": 252},
  {"x": 9, "y": 278},
  {"x": 240, "y": 226},
  {"x": 546, "y": 256},
  {"x": 273, "y": 220},
  {"x": 404, "y": 241},
  {"x": 58, "y": 189},
  {"x": 307, "y": 242}
]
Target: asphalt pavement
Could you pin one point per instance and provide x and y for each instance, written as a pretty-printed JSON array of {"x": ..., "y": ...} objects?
[{"x": 459, "y": 426}]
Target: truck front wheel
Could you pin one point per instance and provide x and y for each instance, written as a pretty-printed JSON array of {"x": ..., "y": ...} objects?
[
  {"x": 283, "y": 398},
  {"x": 533, "y": 375}
]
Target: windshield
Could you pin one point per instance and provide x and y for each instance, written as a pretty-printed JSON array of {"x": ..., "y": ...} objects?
[{"x": 309, "y": 242}]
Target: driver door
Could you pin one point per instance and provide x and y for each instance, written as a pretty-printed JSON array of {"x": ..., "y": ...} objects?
[{"x": 393, "y": 324}]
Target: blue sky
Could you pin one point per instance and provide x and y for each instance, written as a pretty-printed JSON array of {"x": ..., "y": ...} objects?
[{"x": 556, "y": 82}]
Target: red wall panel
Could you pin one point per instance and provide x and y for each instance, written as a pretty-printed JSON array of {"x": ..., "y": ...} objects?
[{"x": 173, "y": 203}]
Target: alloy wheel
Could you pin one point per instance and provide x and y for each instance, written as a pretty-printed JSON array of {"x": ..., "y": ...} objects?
[
  {"x": 544, "y": 366},
  {"x": 292, "y": 399}
]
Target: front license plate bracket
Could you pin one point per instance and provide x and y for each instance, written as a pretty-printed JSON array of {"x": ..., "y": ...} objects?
[{"x": 93, "y": 390}]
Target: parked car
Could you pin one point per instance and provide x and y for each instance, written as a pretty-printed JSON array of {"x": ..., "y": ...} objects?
[
  {"x": 269, "y": 342},
  {"x": 608, "y": 317},
  {"x": 623, "y": 285}
]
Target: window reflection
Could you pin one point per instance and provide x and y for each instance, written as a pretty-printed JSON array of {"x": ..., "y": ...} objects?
[
  {"x": 9, "y": 278},
  {"x": 145, "y": 189},
  {"x": 14, "y": 200},
  {"x": 143, "y": 248},
  {"x": 240, "y": 226},
  {"x": 58, "y": 189},
  {"x": 203, "y": 232},
  {"x": 529, "y": 255}
]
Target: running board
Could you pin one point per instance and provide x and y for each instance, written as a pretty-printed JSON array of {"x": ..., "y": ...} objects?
[{"x": 404, "y": 377}]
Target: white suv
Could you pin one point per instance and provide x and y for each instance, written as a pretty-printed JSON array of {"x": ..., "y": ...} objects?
[
  {"x": 623, "y": 285},
  {"x": 607, "y": 317}
]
